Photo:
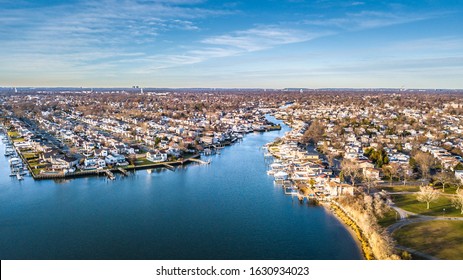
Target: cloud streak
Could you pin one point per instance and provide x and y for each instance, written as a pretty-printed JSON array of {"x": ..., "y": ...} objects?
[
  {"x": 90, "y": 28},
  {"x": 236, "y": 43},
  {"x": 370, "y": 19}
]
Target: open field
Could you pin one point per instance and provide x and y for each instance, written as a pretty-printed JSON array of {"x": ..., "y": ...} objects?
[
  {"x": 389, "y": 218},
  {"x": 409, "y": 202},
  {"x": 442, "y": 239},
  {"x": 401, "y": 188}
]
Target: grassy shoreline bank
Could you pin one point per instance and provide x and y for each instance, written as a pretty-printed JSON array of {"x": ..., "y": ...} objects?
[{"x": 355, "y": 231}]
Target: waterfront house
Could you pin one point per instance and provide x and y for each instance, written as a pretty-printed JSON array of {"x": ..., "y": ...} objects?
[
  {"x": 116, "y": 159},
  {"x": 156, "y": 156},
  {"x": 101, "y": 152},
  {"x": 336, "y": 189},
  {"x": 90, "y": 163},
  {"x": 101, "y": 163},
  {"x": 49, "y": 155}
]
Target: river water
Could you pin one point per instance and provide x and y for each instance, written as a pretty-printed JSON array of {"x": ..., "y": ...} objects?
[{"x": 229, "y": 209}]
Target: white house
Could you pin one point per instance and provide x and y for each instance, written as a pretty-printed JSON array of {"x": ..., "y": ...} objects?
[
  {"x": 156, "y": 157},
  {"x": 116, "y": 159},
  {"x": 90, "y": 162},
  {"x": 101, "y": 163}
]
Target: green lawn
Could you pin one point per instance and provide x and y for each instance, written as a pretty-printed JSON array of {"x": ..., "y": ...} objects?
[
  {"x": 142, "y": 161},
  {"x": 402, "y": 188},
  {"x": 389, "y": 218},
  {"x": 410, "y": 203},
  {"x": 13, "y": 134},
  {"x": 29, "y": 156},
  {"x": 36, "y": 171},
  {"x": 449, "y": 190},
  {"x": 442, "y": 239}
]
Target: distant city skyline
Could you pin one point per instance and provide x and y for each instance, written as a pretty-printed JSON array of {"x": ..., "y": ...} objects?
[{"x": 236, "y": 44}]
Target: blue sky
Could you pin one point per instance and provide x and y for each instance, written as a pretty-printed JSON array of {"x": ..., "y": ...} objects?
[{"x": 196, "y": 43}]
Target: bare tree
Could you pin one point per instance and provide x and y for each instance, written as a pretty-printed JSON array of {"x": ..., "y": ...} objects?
[
  {"x": 331, "y": 157},
  {"x": 427, "y": 194},
  {"x": 314, "y": 133},
  {"x": 424, "y": 161},
  {"x": 351, "y": 169},
  {"x": 370, "y": 182},
  {"x": 457, "y": 201},
  {"x": 444, "y": 178},
  {"x": 392, "y": 171},
  {"x": 405, "y": 172}
]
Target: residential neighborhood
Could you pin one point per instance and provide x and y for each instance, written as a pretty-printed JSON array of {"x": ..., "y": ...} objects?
[{"x": 378, "y": 160}]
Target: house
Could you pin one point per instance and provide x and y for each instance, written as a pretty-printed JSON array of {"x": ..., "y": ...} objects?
[
  {"x": 90, "y": 163},
  {"x": 116, "y": 160},
  {"x": 101, "y": 152},
  {"x": 49, "y": 155},
  {"x": 459, "y": 175},
  {"x": 156, "y": 156},
  {"x": 372, "y": 173},
  {"x": 174, "y": 152},
  {"x": 207, "y": 140},
  {"x": 89, "y": 146},
  {"x": 101, "y": 163},
  {"x": 337, "y": 189}
]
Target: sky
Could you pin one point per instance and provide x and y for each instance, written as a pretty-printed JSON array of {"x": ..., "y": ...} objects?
[{"x": 245, "y": 44}]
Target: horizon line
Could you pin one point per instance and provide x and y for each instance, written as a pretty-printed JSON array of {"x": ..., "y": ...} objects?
[{"x": 226, "y": 88}]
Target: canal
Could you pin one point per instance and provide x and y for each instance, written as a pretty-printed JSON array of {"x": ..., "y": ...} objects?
[{"x": 229, "y": 209}]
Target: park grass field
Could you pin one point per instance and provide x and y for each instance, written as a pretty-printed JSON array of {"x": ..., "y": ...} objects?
[
  {"x": 401, "y": 188},
  {"x": 409, "y": 202},
  {"x": 442, "y": 239},
  {"x": 389, "y": 218}
]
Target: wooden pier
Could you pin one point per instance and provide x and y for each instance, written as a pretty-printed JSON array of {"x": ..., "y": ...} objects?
[
  {"x": 168, "y": 166},
  {"x": 110, "y": 174},
  {"x": 200, "y": 161},
  {"x": 123, "y": 171}
]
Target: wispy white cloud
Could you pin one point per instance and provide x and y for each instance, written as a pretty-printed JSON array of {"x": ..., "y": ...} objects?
[
  {"x": 90, "y": 34},
  {"x": 236, "y": 43},
  {"x": 440, "y": 44},
  {"x": 371, "y": 19},
  {"x": 260, "y": 38}
]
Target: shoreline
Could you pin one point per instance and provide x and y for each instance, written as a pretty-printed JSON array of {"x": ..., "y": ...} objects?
[
  {"x": 355, "y": 236},
  {"x": 329, "y": 207},
  {"x": 119, "y": 169}
]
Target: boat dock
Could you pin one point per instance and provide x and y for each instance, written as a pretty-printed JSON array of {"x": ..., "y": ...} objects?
[
  {"x": 110, "y": 175},
  {"x": 168, "y": 166},
  {"x": 199, "y": 161},
  {"x": 107, "y": 172},
  {"x": 123, "y": 171}
]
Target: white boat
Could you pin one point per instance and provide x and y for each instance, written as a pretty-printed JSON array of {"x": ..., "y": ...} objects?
[
  {"x": 14, "y": 161},
  {"x": 19, "y": 176},
  {"x": 276, "y": 166},
  {"x": 9, "y": 151},
  {"x": 271, "y": 172},
  {"x": 280, "y": 175}
]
